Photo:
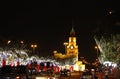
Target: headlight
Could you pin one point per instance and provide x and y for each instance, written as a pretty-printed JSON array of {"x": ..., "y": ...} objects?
[
  {"x": 18, "y": 77},
  {"x": 41, "y": 78}
]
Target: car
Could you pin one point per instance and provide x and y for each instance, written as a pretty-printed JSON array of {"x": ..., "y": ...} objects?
[
  {"x": 86, "y": 75},
  {"x": 13, "y": 72}
]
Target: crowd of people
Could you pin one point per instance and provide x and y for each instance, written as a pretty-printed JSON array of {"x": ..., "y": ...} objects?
[
  {"x": 102, "y": 74},
  {"x": 106, "y": 73}
]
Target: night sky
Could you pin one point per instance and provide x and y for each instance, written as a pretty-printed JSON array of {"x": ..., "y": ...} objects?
[{"x": 48, "y": 24}]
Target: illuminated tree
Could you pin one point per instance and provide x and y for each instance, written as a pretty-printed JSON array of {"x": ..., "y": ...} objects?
[
  {"x": 66, "y": 61},
  {"x": 109, "y": 46},
  {"x": 14, "y": 51}
]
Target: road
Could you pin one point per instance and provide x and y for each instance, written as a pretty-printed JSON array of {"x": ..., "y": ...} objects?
[{"x": 74, "y": 75}]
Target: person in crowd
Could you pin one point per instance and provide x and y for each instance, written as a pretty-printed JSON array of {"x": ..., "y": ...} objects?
[
  {"x": 106, "y": 72},
  {"x": 100, "y": 75}
]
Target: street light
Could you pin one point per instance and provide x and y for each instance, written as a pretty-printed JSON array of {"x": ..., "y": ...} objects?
[
  {"x": 9, "y": 41},
  {"x": 97, "y": 48},
  {"x": 21, "y": 42},
  {"x": 33, "y": 47},
  {"x": 65, "y": 43}
]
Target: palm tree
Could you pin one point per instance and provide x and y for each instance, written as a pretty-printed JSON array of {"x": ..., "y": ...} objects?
[{"x": 109, "y": 46}]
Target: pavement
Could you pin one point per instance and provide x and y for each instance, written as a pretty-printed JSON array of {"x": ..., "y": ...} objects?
[{"x": 74, "y": 75}]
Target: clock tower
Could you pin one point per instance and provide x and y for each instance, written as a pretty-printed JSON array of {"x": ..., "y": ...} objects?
[{"x": 72, "y": 48}]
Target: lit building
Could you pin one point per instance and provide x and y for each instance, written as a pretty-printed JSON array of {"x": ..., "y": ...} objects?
[{"x": 71, "y": 49}]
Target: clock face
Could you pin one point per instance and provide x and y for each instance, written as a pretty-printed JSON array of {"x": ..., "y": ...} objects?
[{"x": 71, "y": 47}]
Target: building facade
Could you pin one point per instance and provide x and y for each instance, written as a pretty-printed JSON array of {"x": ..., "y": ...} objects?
[
  {"x": 71, "y": 50},
  {"x": 72, "y": 47}
]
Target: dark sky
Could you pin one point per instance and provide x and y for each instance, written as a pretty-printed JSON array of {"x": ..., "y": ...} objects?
[{"x": 48, "y": 23}]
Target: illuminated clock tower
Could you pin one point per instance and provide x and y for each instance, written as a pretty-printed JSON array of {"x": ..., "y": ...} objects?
[{"x": 72, "y": 48}]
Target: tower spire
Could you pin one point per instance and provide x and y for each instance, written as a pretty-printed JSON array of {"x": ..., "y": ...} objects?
[{"x": 72, "y": 32}]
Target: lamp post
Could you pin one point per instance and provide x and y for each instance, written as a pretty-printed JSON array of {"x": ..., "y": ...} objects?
[
  {"x": 97, "y": 48},
  {"x": 65, "y": 43},
  {"x": 21, "y": 42},
  {"x": 33, "y": 46},
  {"x": 9, "y": 41}
]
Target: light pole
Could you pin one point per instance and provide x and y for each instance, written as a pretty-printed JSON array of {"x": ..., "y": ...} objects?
[
  {"x": 21, "y": 42},
  {"x": 65, "y": 43},
  {"x": 97, "y": 48},
  {"x": 9, "y": 41},
  {"x": 33, "y": 47}
]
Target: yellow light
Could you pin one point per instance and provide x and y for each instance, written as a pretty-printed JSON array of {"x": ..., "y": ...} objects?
[
  {"x": 79, "y": 66},
  {"x": 74, "y": 39},
  {"x": 65, "y": 43},
  {"x": 76, "y": 68},
  {"x": 41, "y": 77},
  {"x": 71, "y": 47},
  {"x": 79, "y": 62},
  {"x": 33, "y": 45},
  {"x": 82, "y": 67},
  {"x": 96, "y": 47},
  {"x": 21, "y": 42},
  {"x": 17, "y": 77},
  {"x": 8, "y": 41}
]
